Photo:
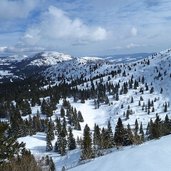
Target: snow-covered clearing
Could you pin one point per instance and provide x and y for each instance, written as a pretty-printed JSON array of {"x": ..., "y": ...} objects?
[{"x": 37, "y": 145}]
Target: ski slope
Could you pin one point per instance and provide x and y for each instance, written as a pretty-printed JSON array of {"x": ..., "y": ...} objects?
[{"x": 151, "y": 156}]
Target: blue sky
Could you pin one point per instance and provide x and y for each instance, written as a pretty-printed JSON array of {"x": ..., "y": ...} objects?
[{"x": 85, "y": 27}]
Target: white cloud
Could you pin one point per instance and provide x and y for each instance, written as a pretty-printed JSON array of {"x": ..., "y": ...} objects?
[
  {"x": 56, "y": 27},
  {"x": 134, "y": 31},
  {"x": 3, "y": 48},
  {"x": 117, "y": 48},
  {"x": 128, "y": 46},
  {"x": 16, "y": 9},
  {"x": 94, "y": 27},
  {"x": 14, "y": 49},
  {"x": 133, "y": 45}
]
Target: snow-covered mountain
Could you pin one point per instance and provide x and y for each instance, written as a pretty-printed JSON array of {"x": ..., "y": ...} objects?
[
  {"x": 52, "y": 63},
  {"x": 136, "y": 90},
  {"x": 49, "y": 58},
  {"x": 19, "y": 67}
]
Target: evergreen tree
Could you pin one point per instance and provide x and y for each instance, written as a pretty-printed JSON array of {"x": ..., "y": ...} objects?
[
  {"x": 51, "y": 165},
  {"x": 87, "y": 152},
  {"x": 136, "y": 126},
  {"x": 71, "y": 140},
  {"x": 62, "y": 112},
  {"x": 166, "y": 126},
  {"x": 49, "y": 136},
  {"x": 9, "y": 147},
  {"x": 97, "y": 139},
  {"x": 132, "y": 100},
  {"x": 49, "y": 146},
  {"x": 119, "y": 133},
  {"x": 110, "y": 135},
  {"x": 50, "y": 130},
  {"x": 165, "y": 107},
  {"x": 117, "y": 97},
  {"x": 60, "y": 145},
  {"x": 80, "y": 117},
  {"x": 156, "y": 128},
  {"x": 142, "y": 132},
  {"x": 25, "y": 162},
  {"x": 128, "y": 136}
]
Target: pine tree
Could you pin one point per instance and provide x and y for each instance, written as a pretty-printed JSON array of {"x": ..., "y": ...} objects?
[
  {"x": 60, "y": 145},
  {"x": 49, "y": 146},
  {"x": 117, "y": 97},
  {"x": 136, "y": 126},
  {"x": 119, "y": 133},
  {"x": 50, "y": 130},
  {"x": 97, "y": 139},
  {"x": 63, "y": 168},
  {"x": 64, "y": 129},
  {"x": 127, "y": 114},
  {"x": 51, "y": 165},
  {"x": 62, "y": 112},
  {"x": 80, "y": 117},
  {"x": 56, "y": 147},
  {"x": 104, "y": 139},
  {"x": 132, "y": 100},
  {"x": 166, "y": 126},
  {"x": 25, "y": 162},
  {"x": 142, "y": 132},
  {"x": 128, "y": 136},
  {"x": 9, "y": 147},
  {"x": 165, "y": 107},
  {"x": 110, "y": 135},
  {"x": 156, "y": 130},
  {"x": 71, "y": 140},
  {"x": 49, "y": 136},
  {"x": 87, "y": 152}
]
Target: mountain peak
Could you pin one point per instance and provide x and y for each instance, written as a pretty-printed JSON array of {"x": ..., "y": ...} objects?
[{"x": 48, "y": 58}]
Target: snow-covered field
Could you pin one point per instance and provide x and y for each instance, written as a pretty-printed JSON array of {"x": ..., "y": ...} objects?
[{"x": 151, "y": 156}]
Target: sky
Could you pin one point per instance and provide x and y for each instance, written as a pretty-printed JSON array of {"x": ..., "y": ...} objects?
[{"x": 85, "y": 27}]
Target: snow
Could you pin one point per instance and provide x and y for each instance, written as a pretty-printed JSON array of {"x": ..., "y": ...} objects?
[
  {"x": 50, "y": 58},
  {"x": 86, "y": 59},
  {"x": 37, "y": 145},
  {"x": 142, "y": 157},
  {"x": 152, "y": 156},
  {"x": 5, "y": 73},
  {"x": 90, "y": 114}
]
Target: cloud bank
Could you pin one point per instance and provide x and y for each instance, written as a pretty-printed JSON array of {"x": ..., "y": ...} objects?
[
  {"x": 96, "y": 27},
  {"x": 56, "y": 27}
]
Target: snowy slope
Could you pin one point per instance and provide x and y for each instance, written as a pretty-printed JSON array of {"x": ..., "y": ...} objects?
[
  {"x": 156, "y": 70},
  {"x": 50, "y": 58},
  {"x": 151, "y": 156}
]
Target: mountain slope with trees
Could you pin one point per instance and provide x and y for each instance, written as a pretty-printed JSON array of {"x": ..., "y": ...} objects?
[{"x": 85, "y": 107}]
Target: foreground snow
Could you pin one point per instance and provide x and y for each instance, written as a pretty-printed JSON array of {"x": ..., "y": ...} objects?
[{"x": 151, "y": 156}]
